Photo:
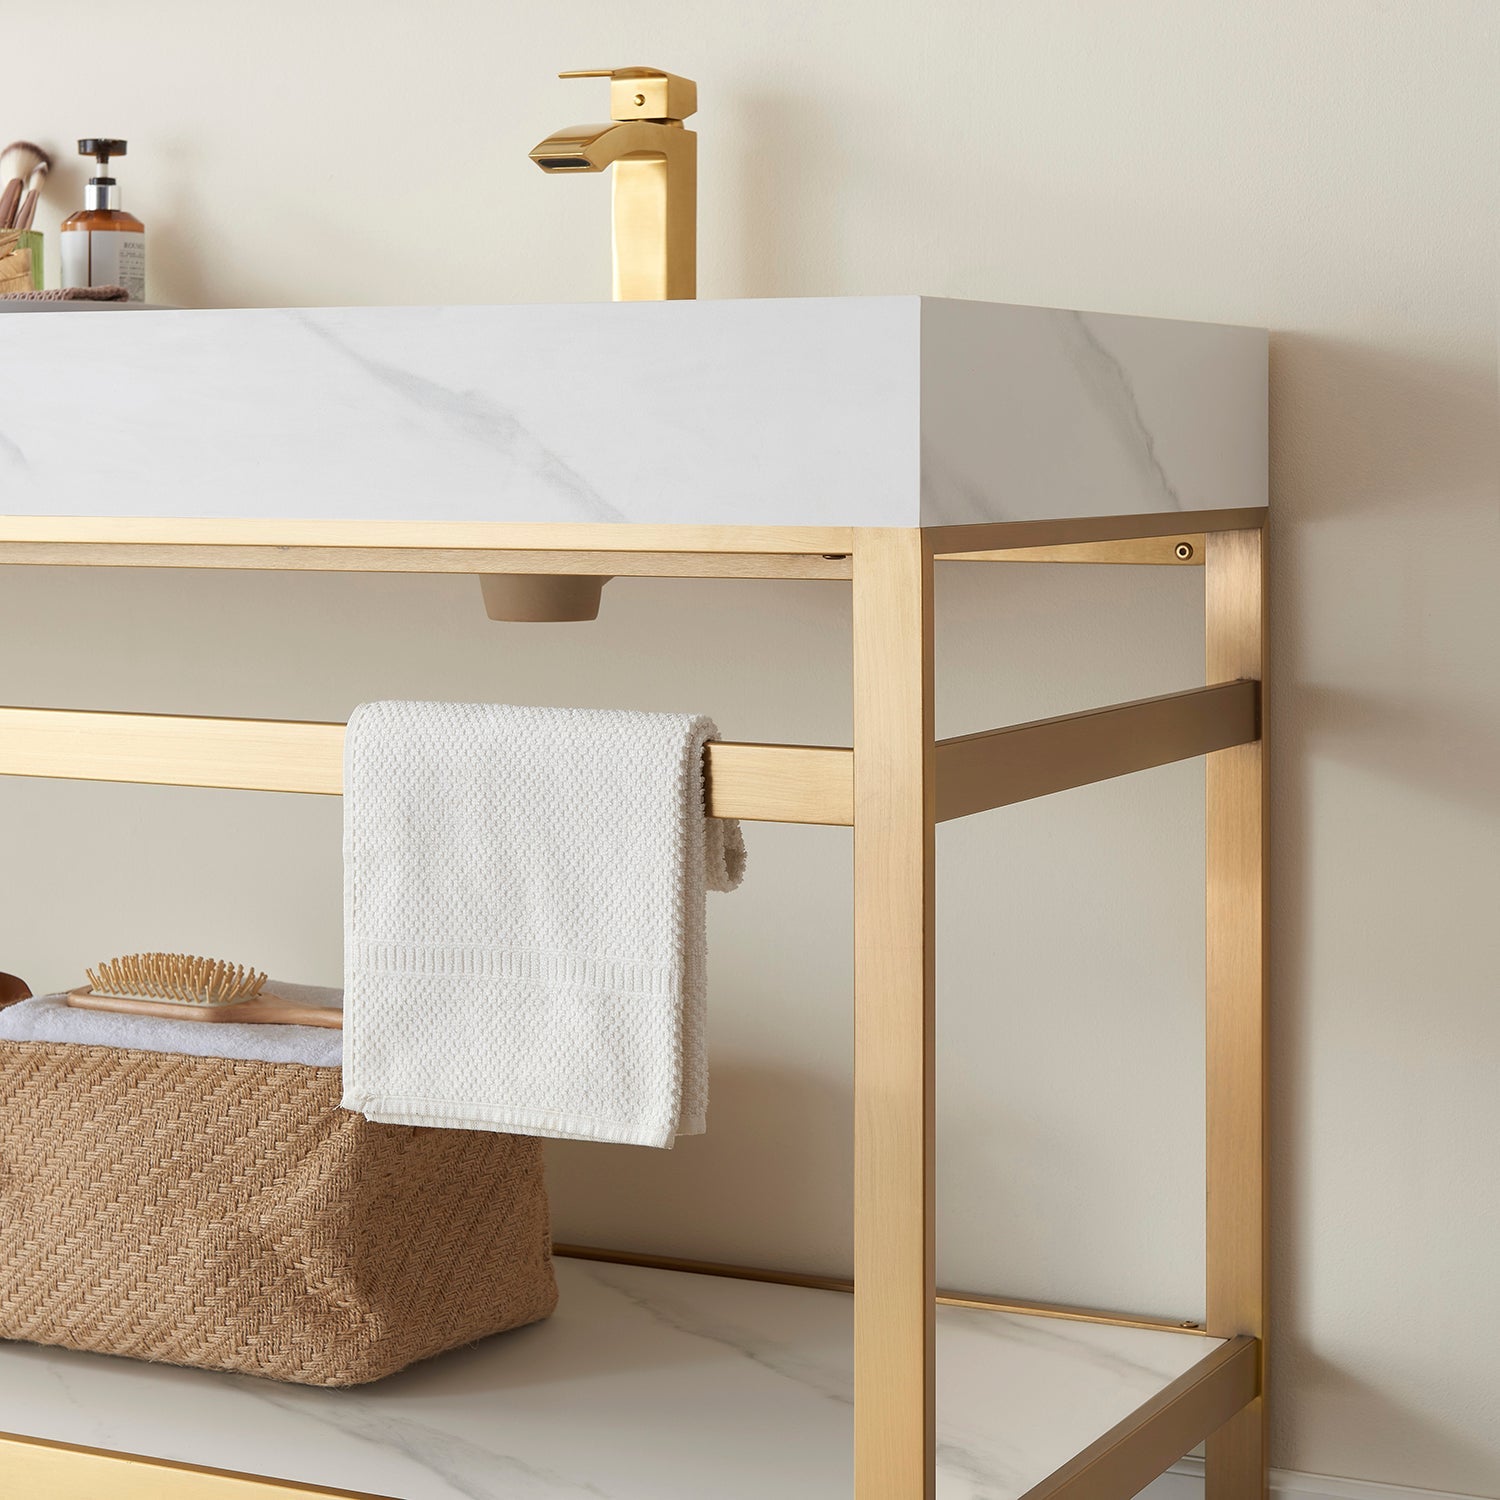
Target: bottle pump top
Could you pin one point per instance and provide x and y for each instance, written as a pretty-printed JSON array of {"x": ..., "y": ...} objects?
[{"x": 103, "y": 191}]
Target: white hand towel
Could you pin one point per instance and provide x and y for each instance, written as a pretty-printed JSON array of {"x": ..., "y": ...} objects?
[
  {"x": 525, "y": 919},
  {"x": 49, "y": 1018}
]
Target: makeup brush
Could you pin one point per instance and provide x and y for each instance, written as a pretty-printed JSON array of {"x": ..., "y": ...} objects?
[
  {"x": 34, "y": 184},
  {"x": 17, "y": 162}
]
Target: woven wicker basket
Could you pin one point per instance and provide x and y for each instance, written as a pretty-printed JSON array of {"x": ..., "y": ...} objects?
[
  {"x": 230, "y": 1215},
  {"x": 20, "y": 261}
]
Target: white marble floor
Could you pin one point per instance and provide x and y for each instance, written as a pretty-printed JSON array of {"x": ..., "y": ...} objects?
[{"x": 646, "y": 1385}]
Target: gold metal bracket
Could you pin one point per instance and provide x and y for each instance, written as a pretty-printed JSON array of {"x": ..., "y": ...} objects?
[{"x": 1171, "y": 551}]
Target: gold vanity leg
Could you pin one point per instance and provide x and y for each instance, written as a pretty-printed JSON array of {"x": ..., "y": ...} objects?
[
  {"x": 893, "y": 1017},
  {"x": 1234, "y": 584}
]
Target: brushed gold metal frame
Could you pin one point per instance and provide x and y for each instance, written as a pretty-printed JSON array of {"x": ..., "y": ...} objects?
[
  {"x": 945, "y": 1297},
  {"x": 893, "y": 786},
  {"x": 759, "y": 783},
  {"x": 1184, "y": 550},
  {"x": 36, "y": 1469}
]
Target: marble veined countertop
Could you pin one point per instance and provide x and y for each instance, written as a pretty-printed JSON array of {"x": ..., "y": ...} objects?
[
  {"x": 813, "y": 412},
  {"x": 645, "y": 1385}
]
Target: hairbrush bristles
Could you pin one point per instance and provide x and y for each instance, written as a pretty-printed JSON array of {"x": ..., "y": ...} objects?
[{"x": 176, "y": 977}]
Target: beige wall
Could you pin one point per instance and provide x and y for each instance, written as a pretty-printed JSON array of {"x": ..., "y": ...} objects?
[{"x": 1322, "y": 167}]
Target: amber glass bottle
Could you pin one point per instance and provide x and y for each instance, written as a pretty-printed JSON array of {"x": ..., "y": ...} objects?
[{"x": 102, "y": 245}]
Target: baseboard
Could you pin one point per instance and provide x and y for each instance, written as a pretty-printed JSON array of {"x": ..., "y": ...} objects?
[{"x": 1184, "y": 1481}]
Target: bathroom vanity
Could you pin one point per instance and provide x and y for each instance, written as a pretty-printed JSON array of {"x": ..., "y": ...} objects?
[{"x": 878, "y": 441}]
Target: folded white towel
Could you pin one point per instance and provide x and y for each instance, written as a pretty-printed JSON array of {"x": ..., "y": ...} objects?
[
  {"x": 524, "y": 919},
  {"x": 49, "y": 1018}
]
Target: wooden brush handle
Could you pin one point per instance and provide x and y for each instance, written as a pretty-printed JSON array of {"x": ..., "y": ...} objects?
[{"x": 263, "y": 1009}]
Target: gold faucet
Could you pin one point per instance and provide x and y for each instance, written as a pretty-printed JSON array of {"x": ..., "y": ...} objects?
[
  {"x": 656, "y": 257},
  {"x": 656, "y": 178}
]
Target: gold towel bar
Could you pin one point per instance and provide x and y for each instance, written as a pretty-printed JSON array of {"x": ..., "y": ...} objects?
[
  {"x": 776, "y": 783},
  {"x": 765, "y": 783}
]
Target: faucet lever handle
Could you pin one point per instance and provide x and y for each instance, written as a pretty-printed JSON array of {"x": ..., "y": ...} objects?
[{"x": 644, "y": 93}]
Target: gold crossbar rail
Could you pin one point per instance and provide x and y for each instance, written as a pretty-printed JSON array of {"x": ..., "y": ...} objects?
[
  {"x": 587, "y": 536},
  {"x": 979, "y": 771},
  {"x": 35, "y": 1467},
  {"x": 946, "y": 1297},
  {"x": 1183, "y": 550},
  {"x": 991, "y": 536},
  {"x": 303, "y": 559},
  {"x": 1156, "y": 1434},
  {"x": 772, "y": 783},
  {"x": 760, "y": 783}
]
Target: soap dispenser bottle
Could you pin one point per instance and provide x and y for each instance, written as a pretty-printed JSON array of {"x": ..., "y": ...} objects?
[{"x": 102, "y": 245}]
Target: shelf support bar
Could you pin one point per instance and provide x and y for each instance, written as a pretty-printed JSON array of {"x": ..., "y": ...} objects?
[
  {"x": 1141, "y": 1447},
  {"x": 1237, "y": 1160},
  {"x": 946, "y": 1297},
  {"x": 1180, "y": 551},
  {"x": 894, "y": 759},
  {"x": 46, "y": 1470},
  {"x": 976, "y": 772},
  {"x": 1006, "y": 536}
]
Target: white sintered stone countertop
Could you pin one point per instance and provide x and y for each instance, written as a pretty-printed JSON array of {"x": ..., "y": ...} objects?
[
  {"x": 645, "y": 1385},
  {"x": 845, "y": 411}
]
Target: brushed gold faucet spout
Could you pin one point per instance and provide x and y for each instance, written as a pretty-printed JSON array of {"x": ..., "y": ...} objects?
[
  {"x": 592, "y": 148},
  {"x": 655, "y": 161}
]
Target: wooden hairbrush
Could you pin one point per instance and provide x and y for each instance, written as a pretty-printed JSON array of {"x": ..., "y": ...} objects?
[{"x": 181, "y": 988}]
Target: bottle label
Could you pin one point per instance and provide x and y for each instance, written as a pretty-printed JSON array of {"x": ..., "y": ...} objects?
[{"x": 98, "y": 257}]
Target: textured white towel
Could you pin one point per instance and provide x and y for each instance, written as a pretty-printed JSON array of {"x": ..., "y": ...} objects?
[{"x": 524, "y": 919}]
